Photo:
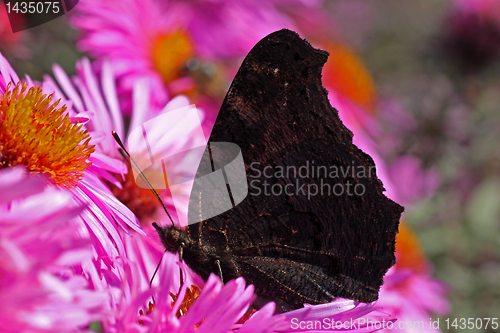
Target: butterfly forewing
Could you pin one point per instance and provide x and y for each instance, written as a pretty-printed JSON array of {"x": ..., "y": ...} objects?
[{"x": 295, "y": 246}]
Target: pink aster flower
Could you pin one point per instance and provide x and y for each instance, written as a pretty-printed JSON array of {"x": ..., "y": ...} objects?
[
  {"x": 486, "y": 8},
  {"x": 412, "y": 298},
  {"x": 48, "y": 138},
  {"x": 340, "y": 315},
  {"x": 11, "y": 42},
  {"x": 133, "y": 309},
  {"x": 471, "y": 36},
  {"x": 39, "y": 246},
  {"x": 251, "y": 20},
  {"x": 414, "y": 182},
  {"x": 352, "y": 92},
  {"x": 212, "y": 306},
  {"x": 167, "y": 136},
  {"x": 360, "y": 123},
  {"x": 404, "y": 180},
  {"x": 409, "y": 292},
  {"x": 178, "y": 45}
]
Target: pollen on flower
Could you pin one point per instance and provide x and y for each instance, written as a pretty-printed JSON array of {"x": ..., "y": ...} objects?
[
  {"x": 192, "y": 294},
  {"x": 246, "y": 316},
  {"x": 170, "y": 53},
  {"x": 40, "y": 136},
  {"x": 150, "y": 309}
]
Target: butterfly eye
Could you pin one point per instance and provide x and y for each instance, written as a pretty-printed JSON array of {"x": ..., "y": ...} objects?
[{"x": 172, "y": 239}]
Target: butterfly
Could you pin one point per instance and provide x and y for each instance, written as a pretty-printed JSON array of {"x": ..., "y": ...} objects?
[{"x": 293, "y": 246}]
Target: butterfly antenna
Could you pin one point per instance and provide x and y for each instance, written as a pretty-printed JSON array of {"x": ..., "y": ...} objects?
[
  {"x": 156, "y": 270},
  {"x": 154, "y": 274},
  {"x": 136, "y": 168}
]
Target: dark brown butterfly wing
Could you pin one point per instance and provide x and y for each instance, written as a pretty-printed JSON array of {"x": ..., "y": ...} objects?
[{"x": 298, "y": 248}]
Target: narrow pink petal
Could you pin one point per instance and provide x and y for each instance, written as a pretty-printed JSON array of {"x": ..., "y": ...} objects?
[
  {"x": 99, "y": 222},
  {"x": 100, "y": 240},
  {"x": 54, "y": 284},
  {"x": 102, "y": 213},
  {"x": 220, "y": 307},
  {"x": 9, "y": 178},
  {"x": 108, "y": 163},
  {"x": 141, "y": 102},
  {"x": 96, "y": 137},
  {"x": 109, "y": 89},
  {"x": 82, "y": 117},
  {"x": 262, "y": 321},
  {"x": 49, "y": 84},
  {"x": 68, "y": 88},
  {"x": 7, "y": 71},
  {"x": 201, "y": 308},
  {"x": 17, "y": 257},
  {"x": 233, "y": 309},
  {"x": 119, "y": 210},
  {"x": 102, "y": 117},
  {"x": 106, "y": 175}
]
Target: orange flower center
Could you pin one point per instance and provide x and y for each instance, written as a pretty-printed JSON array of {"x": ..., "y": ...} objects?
[
  {"x": 191, "y": 295},
  {"x": 139, "y": 200},
  {"x": 150, "y": 309},
  {"x": 170, "y": 54},
  {"x": 409, "y": 253},
  {"x": 346, "y": 74},
  {"x": 40, "y": 136}
]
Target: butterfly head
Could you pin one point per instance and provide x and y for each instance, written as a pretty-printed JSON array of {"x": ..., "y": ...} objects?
[{"x": 172, "y": 237}]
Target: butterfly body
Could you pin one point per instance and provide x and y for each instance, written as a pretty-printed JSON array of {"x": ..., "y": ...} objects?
[
  {"x": 202, "y": 258},
  {"x": 293, "y": 245}
]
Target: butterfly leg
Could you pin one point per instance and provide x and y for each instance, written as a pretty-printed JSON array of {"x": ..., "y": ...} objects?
[
  {"x": 181, "y": 252},
  {"x": 217, "y": 262}
]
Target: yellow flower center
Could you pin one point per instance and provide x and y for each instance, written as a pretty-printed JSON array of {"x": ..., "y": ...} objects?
[
  {"x": 40, "y": 136},
  {"x": 170, "y": 53}
]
